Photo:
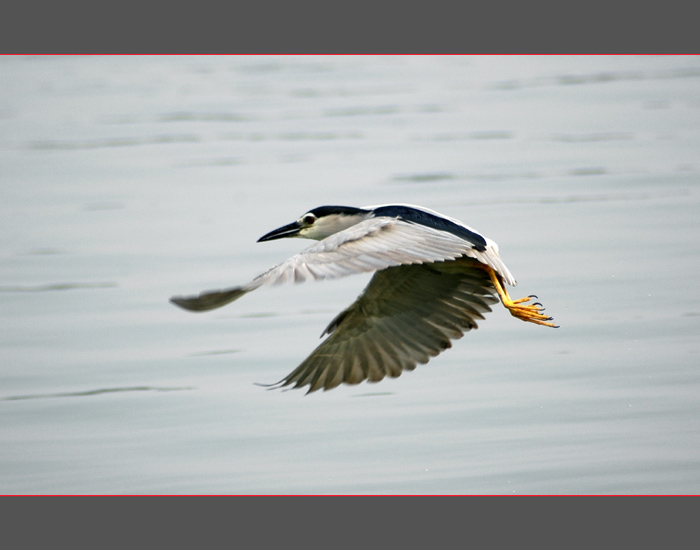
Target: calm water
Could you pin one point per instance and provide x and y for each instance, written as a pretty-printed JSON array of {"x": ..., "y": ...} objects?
[{"x": 125, "y": 180}]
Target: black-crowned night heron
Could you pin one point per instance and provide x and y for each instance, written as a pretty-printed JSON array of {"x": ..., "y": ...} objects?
[{"x": 434, "y": 277}]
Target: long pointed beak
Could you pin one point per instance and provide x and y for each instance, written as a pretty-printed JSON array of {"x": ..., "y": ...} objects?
[{"x": 289, "y": 230}]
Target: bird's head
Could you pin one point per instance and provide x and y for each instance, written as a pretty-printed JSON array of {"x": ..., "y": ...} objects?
[{"x": 320, "y": 223}]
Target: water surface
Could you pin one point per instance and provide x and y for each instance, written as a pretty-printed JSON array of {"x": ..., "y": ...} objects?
[{"x": 126, "y": 180}]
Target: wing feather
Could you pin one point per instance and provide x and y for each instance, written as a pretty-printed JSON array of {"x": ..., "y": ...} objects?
[
  {"x": 371, "y": 245},
  {"x": 405, "y": 316}
]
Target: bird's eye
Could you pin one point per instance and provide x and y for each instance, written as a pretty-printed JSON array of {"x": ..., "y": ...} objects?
[{"x": 309, "y": 219}]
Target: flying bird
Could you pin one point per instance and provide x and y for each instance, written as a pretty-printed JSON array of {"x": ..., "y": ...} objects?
[{"x": 434, "y": 277}]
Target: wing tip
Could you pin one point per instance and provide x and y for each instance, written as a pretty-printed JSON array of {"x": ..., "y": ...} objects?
[
  {"x": 209, "y": 300},
  {"x": 186, "y": 302}
]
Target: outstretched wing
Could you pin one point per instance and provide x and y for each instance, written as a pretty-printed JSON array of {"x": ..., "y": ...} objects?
[
  {"x": 405, "y": 316},
  {"x": 372, "y": 245}
]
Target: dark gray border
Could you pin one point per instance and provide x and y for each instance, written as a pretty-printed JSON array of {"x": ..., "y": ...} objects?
[
  {"x": 350, "y": 522},
  {"x": 304, "y": 27}
]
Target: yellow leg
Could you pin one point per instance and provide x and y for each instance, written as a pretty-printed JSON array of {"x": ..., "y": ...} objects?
[{"x": 532, "y": 313}]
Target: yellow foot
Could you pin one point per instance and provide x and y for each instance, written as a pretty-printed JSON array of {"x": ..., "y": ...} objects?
[{"x": 532, "y": 313}]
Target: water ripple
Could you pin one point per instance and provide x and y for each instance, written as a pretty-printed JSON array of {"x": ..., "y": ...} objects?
[
  {"x": 93, "y": 392},
  {"x": 55, "y": 286},
  {"x": 48, "y": 145},
  {"x": 602, "y": 77}
]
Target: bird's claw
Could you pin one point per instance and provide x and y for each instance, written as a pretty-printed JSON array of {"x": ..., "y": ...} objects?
[{"x": 531, "y": 313}]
